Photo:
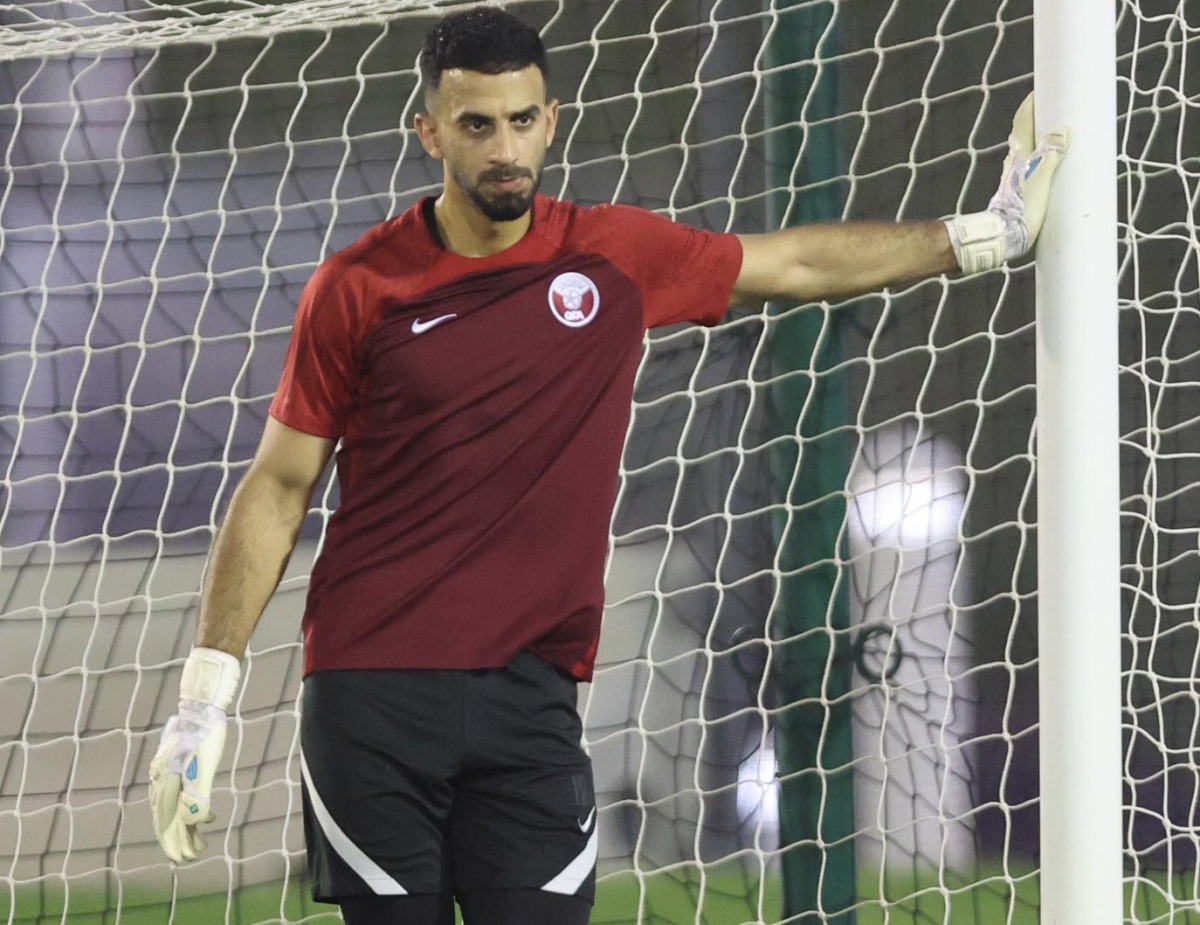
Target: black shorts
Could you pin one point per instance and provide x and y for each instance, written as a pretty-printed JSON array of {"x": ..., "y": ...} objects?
[{"x": 430, "y": 781}]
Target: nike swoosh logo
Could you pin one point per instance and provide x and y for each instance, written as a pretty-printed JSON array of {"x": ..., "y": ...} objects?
[
  {"x": 587, "y": 823},
  {"x": 420, "y": 327}
]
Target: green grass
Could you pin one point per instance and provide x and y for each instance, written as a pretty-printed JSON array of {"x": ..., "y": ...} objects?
[
  {"x": 253, "y": 905},
  {"x": 731, "y": 897}
]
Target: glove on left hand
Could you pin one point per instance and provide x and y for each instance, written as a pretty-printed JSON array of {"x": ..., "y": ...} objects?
[{"x": 1014, "y": 217}]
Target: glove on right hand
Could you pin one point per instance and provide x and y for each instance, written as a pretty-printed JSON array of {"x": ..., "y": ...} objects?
[
  {"x": 181, "y": 777},
  {"x": 183, "y": 768}
]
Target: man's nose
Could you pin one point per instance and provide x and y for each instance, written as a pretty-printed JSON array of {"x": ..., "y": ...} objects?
[{"x": 504, "y": 148}]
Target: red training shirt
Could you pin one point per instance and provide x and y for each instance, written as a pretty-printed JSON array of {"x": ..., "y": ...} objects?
[{"x": 482, "y": 405}]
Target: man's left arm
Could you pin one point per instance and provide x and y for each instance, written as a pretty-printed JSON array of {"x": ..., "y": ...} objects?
[
  {"x": 836, "y": 260},
  {"x": 839, "y": 260}
]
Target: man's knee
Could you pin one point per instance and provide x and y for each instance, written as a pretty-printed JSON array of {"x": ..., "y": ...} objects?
[
  {"x": 521, "y": 907},
  {"x": 414, "y": 909}
]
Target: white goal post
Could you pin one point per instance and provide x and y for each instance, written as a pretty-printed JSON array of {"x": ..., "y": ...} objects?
[
  {"x": 822, "y": 694},
  {"x": 1079, "y": 606}
]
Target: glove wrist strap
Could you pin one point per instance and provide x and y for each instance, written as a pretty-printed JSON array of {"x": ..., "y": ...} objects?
[
  {"x": 979, "y": 240},
  {"x": 210, "y": 676}
]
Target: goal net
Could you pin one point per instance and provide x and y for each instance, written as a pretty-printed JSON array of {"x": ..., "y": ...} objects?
[{"x": 816, "y": 693}]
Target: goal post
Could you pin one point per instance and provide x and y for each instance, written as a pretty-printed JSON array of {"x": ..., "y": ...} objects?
[
  {"x": 1079, "y": 608},
  {"x": 893, "y": 489}
]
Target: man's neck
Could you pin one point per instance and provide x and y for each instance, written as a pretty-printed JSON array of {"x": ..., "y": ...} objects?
[{"x": 467, "y": 231}]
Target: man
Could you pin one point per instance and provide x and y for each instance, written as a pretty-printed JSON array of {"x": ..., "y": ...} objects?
[{"x": 476, "y": 357}]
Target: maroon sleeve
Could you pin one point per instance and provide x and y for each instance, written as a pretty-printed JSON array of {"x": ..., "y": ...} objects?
[
  {"x": 685, "y": 274},
  {"x": 319, "y": 387}
]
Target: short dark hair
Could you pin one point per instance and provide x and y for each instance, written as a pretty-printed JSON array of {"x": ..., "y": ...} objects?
[{"x": 487, "y": 40}]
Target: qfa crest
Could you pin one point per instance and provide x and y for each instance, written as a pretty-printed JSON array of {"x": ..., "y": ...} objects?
[{"x": 574, "y": 299}]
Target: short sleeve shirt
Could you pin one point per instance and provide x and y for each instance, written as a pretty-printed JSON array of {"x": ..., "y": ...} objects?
[{"x": 481, "y": 405}]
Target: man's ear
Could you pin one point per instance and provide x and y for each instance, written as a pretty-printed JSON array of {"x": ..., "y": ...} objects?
[
  {"x": 426, "y": 127},
  {"x": 552, "y": 122}
]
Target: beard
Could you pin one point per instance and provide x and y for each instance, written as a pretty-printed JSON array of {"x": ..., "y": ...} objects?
[{"x": 500, "y": 206}]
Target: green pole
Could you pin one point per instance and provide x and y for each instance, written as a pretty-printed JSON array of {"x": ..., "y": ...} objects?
[{"x": 811, "y": 666}]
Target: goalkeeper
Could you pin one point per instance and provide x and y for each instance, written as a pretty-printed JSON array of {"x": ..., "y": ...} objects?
[{"x": 475, "y": 357}]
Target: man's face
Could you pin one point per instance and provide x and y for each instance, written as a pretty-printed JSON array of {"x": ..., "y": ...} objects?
[{"x": 492, "y": 132}]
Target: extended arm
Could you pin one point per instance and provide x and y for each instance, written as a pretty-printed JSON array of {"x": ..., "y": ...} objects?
[
  {"x": 838, "y": 260},
  {"x": 248, "y": 558}
]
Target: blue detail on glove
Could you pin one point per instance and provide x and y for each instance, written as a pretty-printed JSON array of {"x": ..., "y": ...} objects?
[
  {"x": 1032, "y": 166},
  {"x": 192, "y": 771}
]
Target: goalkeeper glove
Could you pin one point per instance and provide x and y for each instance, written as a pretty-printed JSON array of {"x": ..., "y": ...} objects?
[
  {"x": 984, "y": 240},
  {"x": 182, "y": 771}
]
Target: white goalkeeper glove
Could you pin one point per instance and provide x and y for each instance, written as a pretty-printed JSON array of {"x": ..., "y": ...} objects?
[
  {"x": 984, "y": 240},
  {"x": 182, "y": 771}
]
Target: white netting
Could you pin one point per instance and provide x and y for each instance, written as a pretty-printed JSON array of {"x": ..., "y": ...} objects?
[
  {"x": 1158, "y": 141},
  {"x": 816, "y": 689}
]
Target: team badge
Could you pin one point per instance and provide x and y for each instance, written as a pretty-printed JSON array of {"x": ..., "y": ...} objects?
[{"x": 574, "y": 299}]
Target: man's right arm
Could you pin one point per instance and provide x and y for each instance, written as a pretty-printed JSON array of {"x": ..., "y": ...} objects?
[
  {"x": 247, "y": 561},
  {"x": 258, "y": 534}
]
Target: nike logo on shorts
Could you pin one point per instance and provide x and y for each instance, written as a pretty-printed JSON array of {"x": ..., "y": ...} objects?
[
  {"x": 420, "y": 327},
  {"x": 587, "y": 823}
]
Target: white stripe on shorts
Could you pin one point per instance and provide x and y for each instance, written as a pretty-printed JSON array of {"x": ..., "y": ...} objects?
[
  {"x": 375, "y": 876},
  {"x": 572, "y": 876}
]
